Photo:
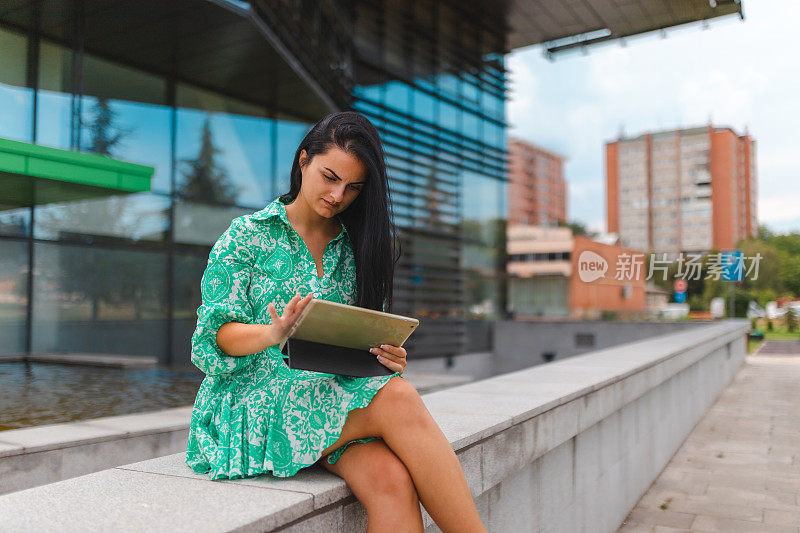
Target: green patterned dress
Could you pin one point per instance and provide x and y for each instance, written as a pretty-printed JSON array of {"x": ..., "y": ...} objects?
[{"x": 253, "y": 414}]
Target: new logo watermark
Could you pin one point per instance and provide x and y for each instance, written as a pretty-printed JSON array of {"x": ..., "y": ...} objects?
[
  {"x": 591, "y": 266},
  {"x": 730, "y": 265}
]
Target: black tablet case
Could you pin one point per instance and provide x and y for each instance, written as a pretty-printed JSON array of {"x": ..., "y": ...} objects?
[{"x": 332, "y": 359}]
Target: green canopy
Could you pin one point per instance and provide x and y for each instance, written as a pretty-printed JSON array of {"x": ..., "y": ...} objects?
[{"x": 35, "y": 175}]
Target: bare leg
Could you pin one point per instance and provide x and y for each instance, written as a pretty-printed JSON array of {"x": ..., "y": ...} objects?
[
  {"x": 398, "y": 416},
  {"x": 382, "y": 484}
]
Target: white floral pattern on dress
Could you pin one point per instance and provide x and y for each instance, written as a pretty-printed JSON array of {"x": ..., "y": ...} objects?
[{"x": 253, "y": 414}]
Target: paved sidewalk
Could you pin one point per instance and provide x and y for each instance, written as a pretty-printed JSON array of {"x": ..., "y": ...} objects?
[{"x": 739, "y": 469}]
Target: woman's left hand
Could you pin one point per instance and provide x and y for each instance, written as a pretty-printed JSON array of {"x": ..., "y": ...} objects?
[{"x": 392, "y": 357}]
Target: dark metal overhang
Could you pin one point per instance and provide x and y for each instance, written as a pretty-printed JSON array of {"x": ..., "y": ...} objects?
[
  {"x": 240, "y": 48},
  {"x": 562, "y": 25},
  {"x": 213, "y": 44}
]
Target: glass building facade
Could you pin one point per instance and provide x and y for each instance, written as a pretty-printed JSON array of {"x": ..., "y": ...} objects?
[
  {"x": 216, "y": 106},
  {"x": 432, "y": 79}
]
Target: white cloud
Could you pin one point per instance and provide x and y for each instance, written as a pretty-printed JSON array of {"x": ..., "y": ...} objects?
[
  {"x": 524, "y": 84},
  {"x": 719, "y": 93},
  {"x": 778, "y": 209}
]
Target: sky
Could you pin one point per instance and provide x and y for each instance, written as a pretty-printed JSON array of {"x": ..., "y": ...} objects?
[{"x": 743, "y": 74}]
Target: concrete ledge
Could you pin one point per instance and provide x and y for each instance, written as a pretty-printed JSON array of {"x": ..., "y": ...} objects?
[
  {"x": 55, "y": 436},
  {"x": 33, "y": 456},
  {"x": 44, "y": 454},
  {"x": 566, "y": 446},
  {"x": 84, "y": 359}
]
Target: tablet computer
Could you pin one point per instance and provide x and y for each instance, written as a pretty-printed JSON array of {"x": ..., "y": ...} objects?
[{"x": 335, "y": 338}]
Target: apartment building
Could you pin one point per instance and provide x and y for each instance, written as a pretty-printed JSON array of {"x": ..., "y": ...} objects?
[
  {"x": 537, "y": 191},
  {"x": 688, "y": 190}
]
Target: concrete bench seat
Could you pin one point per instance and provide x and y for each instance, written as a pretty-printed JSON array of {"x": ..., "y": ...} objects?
[
  {"x": 566, "y": 446},
  {"x": 37, "y": 455}
]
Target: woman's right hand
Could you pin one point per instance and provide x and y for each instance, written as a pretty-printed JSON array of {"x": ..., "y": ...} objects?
[{"x": 282, "y": 324}]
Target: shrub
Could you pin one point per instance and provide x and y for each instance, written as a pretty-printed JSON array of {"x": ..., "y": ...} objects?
[{"x": 791, "y": 320}]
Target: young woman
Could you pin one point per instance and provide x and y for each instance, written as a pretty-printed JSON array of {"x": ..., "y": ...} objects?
[{"x": 330, "y": 237}]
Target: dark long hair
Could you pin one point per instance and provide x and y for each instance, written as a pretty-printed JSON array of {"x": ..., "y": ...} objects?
[{"x": 369, "y": 218}]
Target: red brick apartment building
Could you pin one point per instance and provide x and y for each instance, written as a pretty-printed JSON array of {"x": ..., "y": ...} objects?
[
  {"x": 625, "y": 295},
  {"x": 685, "y": 190},
  {"x": 537, "y": 192}
]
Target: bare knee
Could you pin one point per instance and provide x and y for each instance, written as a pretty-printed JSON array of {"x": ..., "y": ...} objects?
[
  {"x": 400, "y": 389},
  {"x": 377, "y": 477},
  {"x": 389, "y": 482},
  {"x": 398, "y": 402}
]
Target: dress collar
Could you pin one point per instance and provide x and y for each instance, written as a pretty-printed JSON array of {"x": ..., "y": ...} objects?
[{"x": 277, "y": 208}]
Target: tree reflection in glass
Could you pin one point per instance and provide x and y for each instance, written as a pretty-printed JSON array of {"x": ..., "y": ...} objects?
[{"x": 205, "y": 179}]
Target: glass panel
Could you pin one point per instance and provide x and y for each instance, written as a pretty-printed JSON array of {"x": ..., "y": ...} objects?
[
  {"x": 13, "y": 295},
  {"x": 487, "y": 132},
  {"x": 372, "y": 111},
  {"x": 367, "y": 27},
  {"x": 424, "y": 62},
  {"x": 373, "y": 93},
  {"x": 491, "y": 104},
  {"x": 448, "y": 40},
  {"x": 479, "y": 257},
  {"x": 503, "y": 209},
  {"x": 98, "y": 300},
  {"x": 471, "y": 125},
  {"x": 111, "y": 81},
  {"x": 288, "y": 137},
  {"x": 469, "y": 89},
  {"x": 447, "y": 82},
  {"x": 397, "y": 96},
  {"x": 394, "y": 53},
  {"x": 481, "y": 204},
  {"x": 139, "y": 217},
  {"x": 186, "y": 274},
  {"x": 54, "y": 102},
  {"x": 424, "y": 106},
  {"x": 202, "y": 223},
  {"x": 483, "y": 296},
  {"x": 494, "y": 135},
  {"x": 539, "y": 296},
  {"x": 479, "y": 335},
  {"x": 449, "y": 116},
  {"x": 422, "y": 161},
  {"x": 14, "y": 221},
  {"x": 224, "y": 150},
  {"x": 500, "y": 108},
  {"x": 123, "y": 116},
  {"x": 16, "y": 100},
  {"x": 130, "y": 131},
  {"x": 120, "y": 115}
]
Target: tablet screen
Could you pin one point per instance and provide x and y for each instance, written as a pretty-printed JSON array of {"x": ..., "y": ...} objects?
[{"x": 350, "y": 326}]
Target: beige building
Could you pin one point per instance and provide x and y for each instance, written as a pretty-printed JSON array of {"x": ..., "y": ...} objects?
[
  {"x": 545, "y": 278},
  {"x": 539, "y": 268},
  {"x": 656, "y": 297}
]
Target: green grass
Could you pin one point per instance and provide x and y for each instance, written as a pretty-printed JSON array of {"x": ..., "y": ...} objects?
[
  {"x": 778, "y": 332},
  {"x": 781, "y": 335}
]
